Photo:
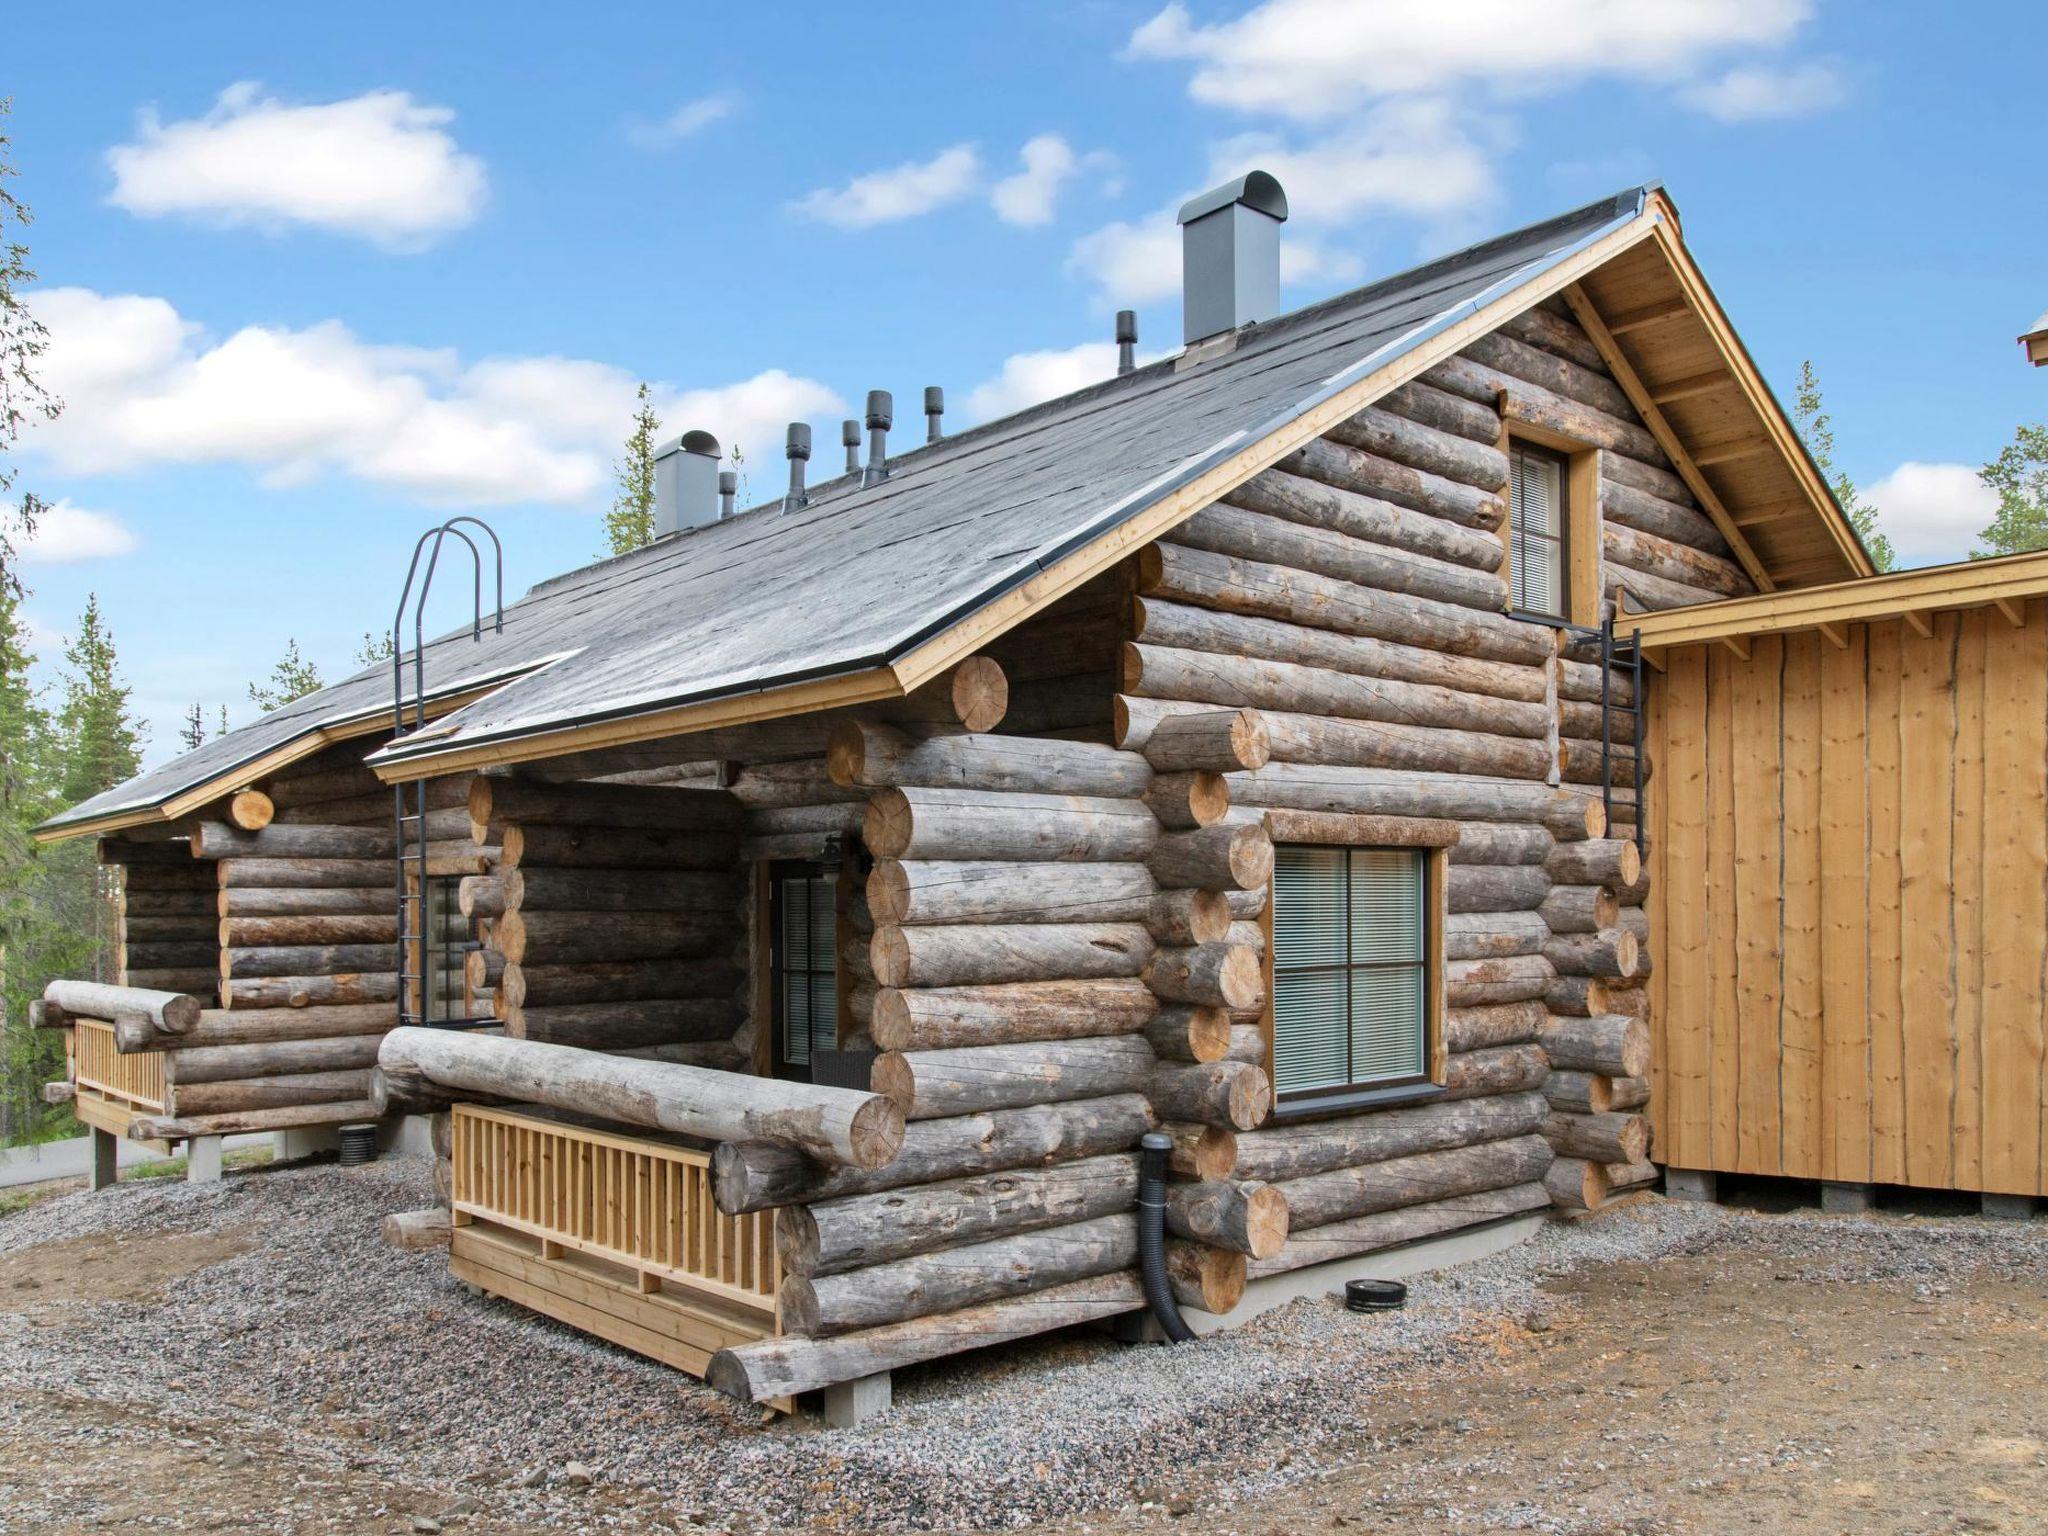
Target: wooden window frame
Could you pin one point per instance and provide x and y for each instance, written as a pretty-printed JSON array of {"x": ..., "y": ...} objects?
[
  {"x": 769, "y": 1060},
  {"x": 1435, "y": 913},
  {"x": 1581, "y": 523}
]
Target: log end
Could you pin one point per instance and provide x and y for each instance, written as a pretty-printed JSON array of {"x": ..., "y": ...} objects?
[
  {"x": 796, "y": 1239},
  {"x": 1251, "y": 857},
  {"x": 1241, "y": 980},
  {"x": 1266, "y": 1220},
  {"x": 797, "y": 1302},
  {"x": 1207, "y": 1279},
  {"x": 1251, "y": 742},
  {"x": 1209, "y": 1039},
  {"x": 1250, "y": 1098},
  {"x": 1630, "y": 859},
  {"x": 889, "y": 954},
  {"x": 59, "y": 1093},
  {"x": 888, "y": 892},
  {"x": 891, "y": 1076},
  {"x": 1576, "y": 1184},
  {"x": 846, "y": 753},
  {"x": 181, "y": 1013},
  {"x": 886, "y": 827},
  {"x": 980, "y": 693},
  {"x": 876, "y": 1134},
  {"x": 251, "y": 810}
]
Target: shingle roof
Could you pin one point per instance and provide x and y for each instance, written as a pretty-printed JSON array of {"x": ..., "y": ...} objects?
[{"x": 862, "y": 576}]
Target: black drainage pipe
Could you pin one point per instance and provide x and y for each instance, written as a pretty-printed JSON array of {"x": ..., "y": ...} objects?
[{"x": 1153, "y": 1150}]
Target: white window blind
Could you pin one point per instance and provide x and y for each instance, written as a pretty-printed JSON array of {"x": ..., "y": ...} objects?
[
  {"x": 1350, "y": 989},
  {"x": 806, "y": 965},
  {"x": 1536, "y": 527}
]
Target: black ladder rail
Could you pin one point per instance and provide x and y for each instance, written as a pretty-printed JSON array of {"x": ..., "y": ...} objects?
[
  {"x": 1628, "y": 656},
  {"x": 409, "y": 796}
]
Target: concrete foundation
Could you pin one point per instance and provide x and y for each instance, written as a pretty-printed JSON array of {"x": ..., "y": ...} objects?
[
  {"x": 1691, "y": 1184},
  {"x": 106, "y": 1158},
  {"x": 202, "y": 1160},
  {"x": 1387, "y": 1264},
  {"x": 307, "y": 1141},
  {"x": 854, "y": 1403},
  {"x": 2008, "y": 1207},
  {"x": 1846, "y": 1199}
]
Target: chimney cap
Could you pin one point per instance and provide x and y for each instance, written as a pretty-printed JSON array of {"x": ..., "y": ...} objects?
[
  {"x": 728, "y": 482},
  {"x": 881, "y": 409},
  {"x": 1126, "y": 325},
  {"x": 798, "y": 443},
  {"x": 934, "y": 400},
  {"x": 1257, "y": 190},
  {"x": 695, "y": 441},
  {"x": 849, "y": 433}
]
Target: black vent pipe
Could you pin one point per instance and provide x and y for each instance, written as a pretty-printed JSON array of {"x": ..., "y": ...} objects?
[{"x": 1153, "y": 1151}]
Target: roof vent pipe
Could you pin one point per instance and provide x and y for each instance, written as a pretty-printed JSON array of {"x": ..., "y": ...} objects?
[
  {"x": 685, "y": 483},
  {"x": 797, "y": 446},
  {"x": 728, "y": 490},
  {"x": 881, "y": 413},
  {"x": 934, "y": 408},
  {"x": 1126, "y": 341},
  {"x": 849, "y": 438},
  {"x": 1230, "y": 256}
]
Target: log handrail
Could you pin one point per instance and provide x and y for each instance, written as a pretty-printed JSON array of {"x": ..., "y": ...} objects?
[{"x": 641, "y": 1204}]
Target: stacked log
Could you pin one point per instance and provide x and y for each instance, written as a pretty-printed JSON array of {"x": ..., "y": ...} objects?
[
  {"x": 165, "y": 919},
  {"x": 621, "y": 918}
]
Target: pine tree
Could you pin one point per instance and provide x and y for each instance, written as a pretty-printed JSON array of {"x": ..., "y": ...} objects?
[
  {"x": 1816, "y": 429},
  {"x": 630, "y": 523},
  {"x": 2020, "y": 476},
  {"x": 193, "y": 731},
  {"x": 22, "y": 343},
  {"x": 292, "y": 678},
  {"x": 223, "y": 729},
  {"x": 102, "y": 745}
]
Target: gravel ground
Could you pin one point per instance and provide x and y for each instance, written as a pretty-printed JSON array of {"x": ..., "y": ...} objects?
[{"x": 264, "y": 1313}]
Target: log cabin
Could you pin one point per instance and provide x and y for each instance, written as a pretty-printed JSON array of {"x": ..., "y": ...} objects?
[{"x": 795, "y": 927}]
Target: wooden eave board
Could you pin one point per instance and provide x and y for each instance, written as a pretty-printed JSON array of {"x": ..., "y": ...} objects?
[
  {"x": 1776, "y": 471},
  {"x": 1967, "y": 584}
]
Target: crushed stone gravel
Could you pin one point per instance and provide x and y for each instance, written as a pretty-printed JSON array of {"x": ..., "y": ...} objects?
[{"x": 377, "y": 1359}]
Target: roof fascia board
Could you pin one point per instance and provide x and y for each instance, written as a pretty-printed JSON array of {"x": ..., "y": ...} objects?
[
  {"x": 1777, "y": 426},
  {"x": 1134, "y": 521},
  {"x": 1966, "y": 584}
]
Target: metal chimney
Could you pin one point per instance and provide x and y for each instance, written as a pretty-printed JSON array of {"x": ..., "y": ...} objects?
[
  {"x": 685, "y": 483},
  {"x": 849, "y": 439},
  {"x": 1230, "y": 256},
  {"x": 728, "y": 489},
  {"x": 1126, "y": 341},
  {"x": 934, "y": 408},
  {"x": 881, "y": 414},
  {"x": 798, "y": 449}
]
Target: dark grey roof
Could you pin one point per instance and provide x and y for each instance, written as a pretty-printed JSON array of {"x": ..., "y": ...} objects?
[{"x": 863, "y": 576}]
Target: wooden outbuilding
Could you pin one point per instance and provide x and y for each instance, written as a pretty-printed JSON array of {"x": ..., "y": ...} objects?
[{"x": 1254, "y": 748}]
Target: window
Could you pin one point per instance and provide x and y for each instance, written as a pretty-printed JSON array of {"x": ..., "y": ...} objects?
[
  {"x": 1352, "y": 994},
  {"x": 803, "y": 962},
  {"x": 1538, "y": 519}
]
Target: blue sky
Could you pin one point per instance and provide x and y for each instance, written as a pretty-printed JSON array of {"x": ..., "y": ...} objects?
[{"x": 315, "y": 277}]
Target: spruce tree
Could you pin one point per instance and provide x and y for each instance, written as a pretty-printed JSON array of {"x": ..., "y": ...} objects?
[
  {"x": 192, "y": 732},
  {"x": 1816, "y": 429},
  {"x": 292, "y": 678},
  {"x": 2020, "y": 476},
  {"x": 630, "y": 523},
  {"x": 101, "y": 743}
]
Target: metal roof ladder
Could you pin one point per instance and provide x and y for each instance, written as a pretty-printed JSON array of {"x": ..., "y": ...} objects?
[
  {"x": 1621, "y": 740},
  {"x": 409, "y": 796}
]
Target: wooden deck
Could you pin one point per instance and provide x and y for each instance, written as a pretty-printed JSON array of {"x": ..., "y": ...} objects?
[{"x": 611, "y": 1234}]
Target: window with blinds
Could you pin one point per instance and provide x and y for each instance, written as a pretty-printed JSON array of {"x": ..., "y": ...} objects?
[
  {"x": 1350, "y": 969},
  {"x": 804, "y": 963},
  {"x": 1536, "y": 530}
]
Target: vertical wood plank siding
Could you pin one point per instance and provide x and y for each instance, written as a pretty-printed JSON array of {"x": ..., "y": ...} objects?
[{"x": 1849, "y": 970}]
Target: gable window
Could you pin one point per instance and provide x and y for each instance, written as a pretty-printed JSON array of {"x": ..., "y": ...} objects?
[
  {"x": 1539, "y": 522},
  {"x": 803, "y": 962},
  {"x": 1353, "y": 997}
]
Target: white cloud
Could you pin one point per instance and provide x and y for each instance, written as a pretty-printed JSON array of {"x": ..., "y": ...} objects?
[
  {"x": 1029, "y": 377},
  {"x": 1049, "y": 163},
  {"x": 142, "y": 387},
  {"x": 379, "y": 166},
  {"x": 902, "y": 192},
  {"x": 1752, "y": 92},
  {"x": 1311, "y": 59},
  {"x": 1410, "y": 157},
  {"x": 688, "y": 120},
  {"x": 1932, "y": 512},
  {"x": 67, "y": 534}
]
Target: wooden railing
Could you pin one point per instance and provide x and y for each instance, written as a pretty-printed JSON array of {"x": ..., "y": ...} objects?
[
  {"x": 136, "y": 1080},
  {"x": 640, "y": 1204}
]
